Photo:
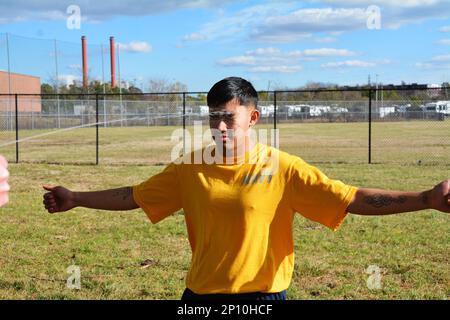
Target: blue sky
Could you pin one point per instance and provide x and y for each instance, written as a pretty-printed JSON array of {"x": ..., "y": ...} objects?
[{"x": 274, "y": 44}]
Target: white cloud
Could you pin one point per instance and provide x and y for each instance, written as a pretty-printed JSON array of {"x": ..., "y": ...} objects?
[
  {"x": 328, "y": 52},
  {"x": 74, "y": 66},
  {"x": 68, "y": 79},
  {"x": 268, "y": 59},
  {"x": 436, "y": 62},
  {"x": 286, "y": 37},
  {"x": 276, "y": 69},
  {"x": 265, "y": 51},
  {"x": 442, "y": 58},
  {"x": 231, "y": 25},
  {"x": 282, "y": 22},
  {"x": 384, "y": 3},
  {"x": 445, "y": 29},
  {"x": 22, "y": 10},
  {"x": 349, "y": 64},
  {"x": 325, "y": 40},
  {"x": 271, "y": 59},
  {"x": 136, "y": 46},
  {"x": 307, "y": 21},
  {"x": 445, "y": 42},
  {"x": 348, "y": 16},
  {"x": 423, "y": 65},
  {"x": 384, "y": 61},
  {"x": 195, "y": 37},
  {"x": 238, "y": 61}
]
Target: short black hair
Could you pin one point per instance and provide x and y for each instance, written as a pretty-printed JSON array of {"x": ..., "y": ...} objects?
[{"x": 232, "y": 88}]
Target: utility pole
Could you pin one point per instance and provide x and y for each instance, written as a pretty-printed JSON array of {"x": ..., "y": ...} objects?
[
  {"x": 104, "y": 90},
  {"x": 9, "y": 112},
  {"x": 376, "y": 93},
  {"x": 120, "y": 85},
  {"x": 57, "y": 85}
]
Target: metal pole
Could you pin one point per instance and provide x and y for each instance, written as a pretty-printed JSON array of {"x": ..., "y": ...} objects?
[
  {"x": 96, "y": 129},
  {"x": 275, "y": 110},
  {"x": 17, "y": 128},
  {"x": 376, "y": 95},
  {"x": 104, "y": 91},
  {"x": 32, "y": 118},
  {"x": 120, "y": 86},
  {"x": 9, "y": 111},
  {"x": 370, "y": 126},
  {"x": 184, "y": 122},
  {"x": 57, "y": 86}
]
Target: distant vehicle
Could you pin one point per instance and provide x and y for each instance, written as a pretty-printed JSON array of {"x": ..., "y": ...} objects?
[
  {"x": 296, "y": 110},
  {"x": 204, "y": 110},
  {"x": 339, "y": 110},
  {"x": 438, "y": 107},
  {"x": 188, "y": 110},
  {"x": 384, "y": 111},
  {"x": 317, "y": 111},
  {"x": 402, "y": 108},
  {"x": 267, "y": 111},
  {"x": 312, "y": 111}
]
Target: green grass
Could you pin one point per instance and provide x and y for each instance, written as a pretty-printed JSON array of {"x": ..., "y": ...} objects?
[
  {"x": 406, "y": 142},
  {"x": 411, "y": 249}
]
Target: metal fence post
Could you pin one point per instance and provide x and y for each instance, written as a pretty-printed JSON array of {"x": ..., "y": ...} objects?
[
  {"x": 275, "y": 117},
  {"x": 370, "y": 126},
  {"x": 17, "y": 126},
  {"x": 184, "y": 122},
  {"x": 96, "y": 128}
]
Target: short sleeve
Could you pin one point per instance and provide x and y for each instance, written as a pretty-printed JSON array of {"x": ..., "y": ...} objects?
[
  {"x": 318, "y": 198},
  {"x": 160, "y": 195}
]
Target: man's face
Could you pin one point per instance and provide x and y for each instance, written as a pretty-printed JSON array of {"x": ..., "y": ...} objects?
[{"x": 232, "y": 123}]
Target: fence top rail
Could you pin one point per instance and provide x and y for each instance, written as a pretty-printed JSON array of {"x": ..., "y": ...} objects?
[
  {"x": 349, "y": 89},
  {"x": 102, "y": 94}
]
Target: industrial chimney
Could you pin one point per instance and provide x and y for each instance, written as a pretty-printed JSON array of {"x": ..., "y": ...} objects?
[
  {"x": 113, "y": 62},
  {"x": 85, "y": 67}
]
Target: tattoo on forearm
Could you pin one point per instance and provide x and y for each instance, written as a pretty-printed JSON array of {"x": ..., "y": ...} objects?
[
  {"x": 379, "y": 200},
  {"x": 125, "y": 193}
]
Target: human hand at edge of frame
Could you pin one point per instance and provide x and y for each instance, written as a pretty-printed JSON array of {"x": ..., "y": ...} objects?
[
  {"x": 58, "y": 199},
  {"x": 4, "y": 186},
  {"x": 439, "y": 196}
]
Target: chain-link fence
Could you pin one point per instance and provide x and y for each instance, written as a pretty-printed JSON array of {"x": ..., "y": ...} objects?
[
  {"x": 349, "y": 126},
  {"x": 60, "y": 59}
]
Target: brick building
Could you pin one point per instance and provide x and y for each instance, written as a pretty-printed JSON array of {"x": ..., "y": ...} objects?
[{"x": 20, "y": 83}]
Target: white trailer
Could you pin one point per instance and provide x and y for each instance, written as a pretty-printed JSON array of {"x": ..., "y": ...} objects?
[{"x": 438, "y": 106}]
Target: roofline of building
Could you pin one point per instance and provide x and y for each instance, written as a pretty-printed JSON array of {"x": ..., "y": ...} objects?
[{"x": 20, "y": 74}]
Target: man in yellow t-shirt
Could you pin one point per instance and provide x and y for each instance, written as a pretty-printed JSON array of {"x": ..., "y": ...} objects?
[{"x": 239, "y": 209}]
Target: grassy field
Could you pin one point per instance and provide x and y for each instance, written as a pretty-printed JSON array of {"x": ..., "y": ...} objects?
[
  {"x": 406, "y": 142},
  {"x": 123, "y": 256}
]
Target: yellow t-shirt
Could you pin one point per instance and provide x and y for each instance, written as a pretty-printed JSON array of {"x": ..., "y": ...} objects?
[{"x": 239, "y": 217}]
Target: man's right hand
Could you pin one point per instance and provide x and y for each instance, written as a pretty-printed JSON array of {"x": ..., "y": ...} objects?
[{"x": 58, "y": 199}]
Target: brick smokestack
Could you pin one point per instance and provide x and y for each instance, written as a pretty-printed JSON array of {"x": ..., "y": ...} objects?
[
  {"x": 113, "y": 61},
  {"x": 85, "y": 66}
]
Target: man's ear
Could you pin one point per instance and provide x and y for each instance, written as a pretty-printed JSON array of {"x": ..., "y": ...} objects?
[{"x": 254, "y": 117}]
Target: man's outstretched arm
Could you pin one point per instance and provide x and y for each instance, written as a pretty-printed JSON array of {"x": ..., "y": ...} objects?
[
  {"x": 59, "y": 199},
  {"x": 382, "y": 202}
]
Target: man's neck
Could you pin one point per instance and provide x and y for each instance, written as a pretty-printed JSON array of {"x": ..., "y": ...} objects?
[{"x": 238, "y": 155}]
